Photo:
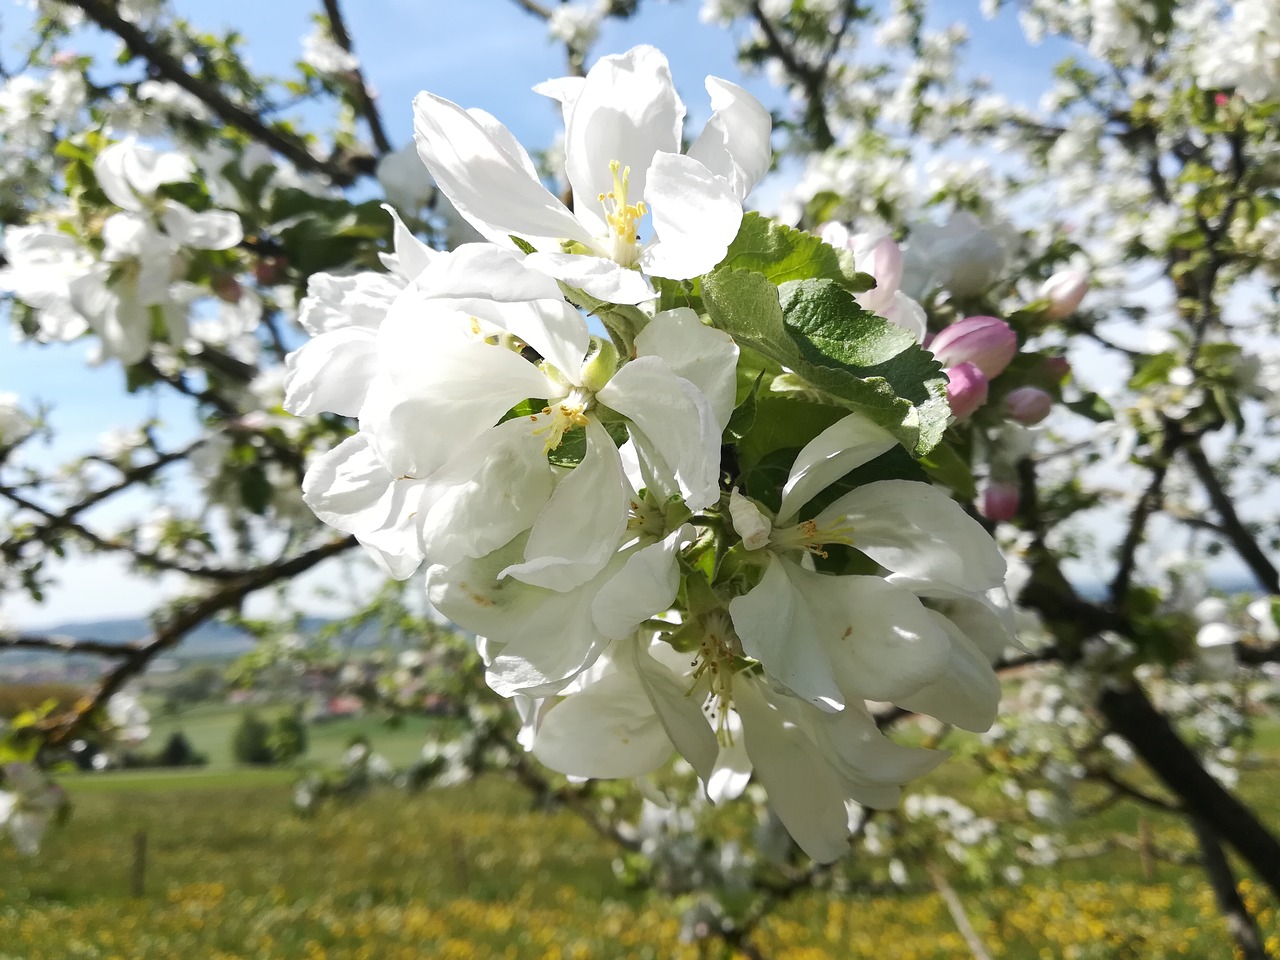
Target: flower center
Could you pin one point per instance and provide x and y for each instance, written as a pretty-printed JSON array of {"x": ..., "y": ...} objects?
[
  {"x": 811, "y": 537},
  {"x": 558, "y": 419},
  {"x": 715, "y": 661},
  {"x": 621, "y": 217}
]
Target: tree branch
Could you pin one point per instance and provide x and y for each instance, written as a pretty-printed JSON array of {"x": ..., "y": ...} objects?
[
  {"x": 1232, "y": 527},
  {"x": 65, "y": 645},
  {"x": 103, "y": 13},
  {"x": 60, "y": 727},
  {"x": 368, "y": 108},
  {"x": 1242, "y": 927}
]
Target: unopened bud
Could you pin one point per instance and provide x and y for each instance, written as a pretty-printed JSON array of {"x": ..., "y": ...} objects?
[
  {"x": 999, "y": 501},
  {"x": 227, "y": 288},
  {"x": 1058, "y": 368},
  {"x": 1028, "y": 405},
  {"x": 1064, "y": 291},
  {"x": 967, "y": 389},
  {"x": 986, "y": 342}
]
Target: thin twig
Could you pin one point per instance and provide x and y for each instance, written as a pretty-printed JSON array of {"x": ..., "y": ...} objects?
[
  {"x": 139, "y": 44},
  {"x": 368, "y": 108}
]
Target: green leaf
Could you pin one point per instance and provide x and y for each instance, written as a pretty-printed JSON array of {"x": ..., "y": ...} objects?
[
  {"x": 1094, "y": 407},
  {"x": 743, "y": 417},
  {"x": 784, "y": 422},
  {"x": 865, "y": 359},
  {"x": 944, "y": 464},
  {"x": 827, "y": 339},
  {"x": 783, "y": 253},
  {"x": 524, "y": 245}
]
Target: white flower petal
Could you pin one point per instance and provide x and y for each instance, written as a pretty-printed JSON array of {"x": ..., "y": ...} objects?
[
  {"x": 597, "y": 276},
  {"x": 695, "y": 218},
  {"x": 844, "y": 445},
  {"x": 735, "y": 142},
  {"x": 677, "y": 421},
  {"x": 706, "y": 357},
  {"x": 490, "y": 188},
  {"x": 968, "y": 692},
  {"x": 486, "y": 272},
  {"x": 330, "y": 372},
  {"x": 916, "y": 530},
  {"x": 486, "y": 494},
  {"x": 608, "y": 730},
  {"x": 881, "y": 642},
  {"x": 210, "y": 230},
  {"x": 583, "y": 522},
  {"x": 411, "y": 256},
  {"x": 803, "y": 790},
  {"x": 679, "y": 713},
  {"x": 777, "y": 627},
  {"x": 626, "y": 110},
  {"x": 645, "y": 586}
]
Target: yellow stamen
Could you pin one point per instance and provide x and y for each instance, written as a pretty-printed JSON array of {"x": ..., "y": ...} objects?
[
  {"x": 622, "y": 216},
  {"x": 564, "y": 416}
]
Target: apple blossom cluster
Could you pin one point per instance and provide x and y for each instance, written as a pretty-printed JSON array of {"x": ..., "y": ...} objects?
[
  {"x": 657, "y": 550},
  {"x": 127, "y": 283}
]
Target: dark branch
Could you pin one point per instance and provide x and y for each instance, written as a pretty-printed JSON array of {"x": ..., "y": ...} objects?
[
  {"x": 1232, "y": 527},
  {"x": 368, "y": 108},
  {"x": 139, "y": 44}
]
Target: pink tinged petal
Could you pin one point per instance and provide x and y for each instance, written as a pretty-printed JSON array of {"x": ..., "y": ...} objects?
[
  {"x": 608, "y": 730},
  {"x": 679, "y": 713},
  {"x": 706, "y": 357},
  {"x": 676, "y": 419},
  {"x": 843, "y": 446},
  {"x": 582, "y": 525},
  {"x": 777, "y": 627},
  {"x": 644, "y": 587},
  {"x": 881, "y": 642},
  {"x": 735, "y": 142},
  {"x": 210, "y": 230},
  {"x": 916, "y": 530},
  {"x": 967, "y": 389},
  {"x": 330, "y": 373},
  {"x": 986, "y": 342},
  {"x": 597, "y": 276},
  {"x": 490, "y": 188},
  {"x": 803, "y": 789},
  {"x": 626, "y": 110},
  {"x": 411, "y": 256},
  {"x": 486, "y": 272},
  {"x": 907, "y": 314},
  {"x": 488, "y": 493},
  {"x": 968, "y": 692},
  {"x": 695, "y": 217}
]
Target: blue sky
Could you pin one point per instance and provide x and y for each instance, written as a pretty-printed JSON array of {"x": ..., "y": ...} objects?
[{"x": 483, "y": 53}]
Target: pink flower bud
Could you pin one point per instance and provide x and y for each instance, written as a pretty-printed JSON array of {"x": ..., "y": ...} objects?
[
  {"x": 986, "y": 342},
  {"x": 1064, "y": 291},
  {"x": 1221, "y": 99},
  {"x": 967, "y": 389},
  {"x": 999, "y": 500},
  {"x": 1028, "y": 405},
  {"x": 63, "y": 58},
  {"x": 1057, "y": 367}
]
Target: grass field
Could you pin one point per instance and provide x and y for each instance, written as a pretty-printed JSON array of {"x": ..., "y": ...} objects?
[
  {"x": 475, "y": 872},
  {"x": 209, "y": 728}
]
